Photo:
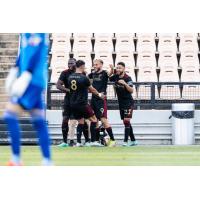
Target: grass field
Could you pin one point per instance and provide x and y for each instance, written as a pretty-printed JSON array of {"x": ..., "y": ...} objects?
[{"x": 118, "y": 156}]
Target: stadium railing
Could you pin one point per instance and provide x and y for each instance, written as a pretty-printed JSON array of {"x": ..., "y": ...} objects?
[{"x": 150, "y": 100}]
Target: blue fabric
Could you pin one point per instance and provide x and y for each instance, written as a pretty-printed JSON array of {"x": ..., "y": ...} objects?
[
  {"x": 14, "y": 131},
  {"x": 31, "y": 99},
  {"x": 33, "y": 57},
  {"x": 43, "y": 135}
]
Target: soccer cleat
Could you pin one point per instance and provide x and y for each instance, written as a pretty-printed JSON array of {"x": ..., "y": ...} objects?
[
  {"x": 87, "y": 144},
  {"x": 132, "y": 143},
  {"x": 78, "y": 144},
  {"x": 63, "y": 145},
  {"x": 96, "y": 144},
  {"x": 125, "y": 144},
  {"x": 13, "y": 164},
  {"x": 112, "y": 143},
  {"x": 72, "y": 143}
]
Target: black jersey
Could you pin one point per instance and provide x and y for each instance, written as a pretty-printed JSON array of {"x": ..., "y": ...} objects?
[
  {"x": 78, "y": 85},
  {"x": 99, "y": 81},
  {"x": 64, "y": 78},
  {"x": 125, "y": 98}
]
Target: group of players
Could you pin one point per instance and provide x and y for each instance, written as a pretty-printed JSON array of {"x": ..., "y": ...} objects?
[
  {"x": 26, "y": 84},
  {"x": 76, "y": 84}
]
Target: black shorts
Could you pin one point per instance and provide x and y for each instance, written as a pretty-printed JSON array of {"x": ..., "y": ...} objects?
[
  {"x": 80, "y": 112},
  {"x": 100, "y": 107},
  {"x": 126, "y": 112},
  {"x": 66, "y": 111}
]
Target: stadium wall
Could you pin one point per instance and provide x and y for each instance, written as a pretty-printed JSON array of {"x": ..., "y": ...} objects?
[{"x": 152, "y": 127}]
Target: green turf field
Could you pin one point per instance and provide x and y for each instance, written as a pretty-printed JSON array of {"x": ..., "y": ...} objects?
[{"x": 118, "y": 156}]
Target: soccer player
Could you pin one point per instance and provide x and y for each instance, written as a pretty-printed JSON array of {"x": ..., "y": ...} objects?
[
  {"x": 79, "y": 85},
  {"x": 25, "y": 84},
  {"x": 124, "y": 88},
  {"x": 99, "y": 79},
  {"x": 62, "y": 86}
]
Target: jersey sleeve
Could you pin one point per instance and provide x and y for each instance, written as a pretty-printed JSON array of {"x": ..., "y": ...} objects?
[
  {"x": 113, "y": 78},
  {"x": 129, "y": 81},
  {"x": 62, "y": 76},
  {"x": 90, "y": 76},
  {"x": 87, "y": 82}
]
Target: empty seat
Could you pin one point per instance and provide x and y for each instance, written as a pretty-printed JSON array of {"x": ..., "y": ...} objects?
[
  {"x": 82, "y": 42},
  {"x": 169, "y": 91},
  {"x": 167, "y": 58},
  {"x": 167, "y": 42},
  {"x": 106, "y": 57},
  {"x": 128, "y": 59},
  {"x": 188, "y": 41},
  {"x": 189, "y": 58},
  {"x": 61, "y": 42},
  {"x": 146, "y": 42},
  {"x": 124, "y": 42},
  {"x": 191, "y": 74},
  {"x": 59, "y": 58},
  {"x": 103, "y": 42},
  {"x": 147, "y": 74},
  {"x": 86, "y": 57},
  {"x": 146, "y": 58}
]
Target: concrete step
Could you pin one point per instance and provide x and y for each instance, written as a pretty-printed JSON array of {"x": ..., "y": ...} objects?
[
  {"x": 3, "y": 97},
  {"x": 9, "y": 37},
  {"x": 9, "y": 44},
  {"x": 5, "y": 67},
  {"x": 9, "y": 51},
  {"x": 8, "y": 59}
]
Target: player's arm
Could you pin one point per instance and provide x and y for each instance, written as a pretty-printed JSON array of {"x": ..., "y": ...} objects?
[
  {"x": 128, "y": 85},
  {"x": 111, "y": 72},
  {"x": 95, "y": 92},
  {"x": 60, "y": 86},
  {"x": 90, "y": 76}
]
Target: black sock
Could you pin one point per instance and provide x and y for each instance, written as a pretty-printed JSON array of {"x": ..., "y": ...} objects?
[
  {"x": 65, "y": 129},
  {"x": 97, "y": 134},
  {"x": 110, "y": 133},
  {"x": 86, "y": 132},
  {"x": 93, "y": 131},
  {"x": 127, "y": 133},
  {"x": 79, "y": 129},
  {"x": 132, "y": 136}
]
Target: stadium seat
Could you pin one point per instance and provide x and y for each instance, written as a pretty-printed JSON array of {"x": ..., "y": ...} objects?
[
  {"x": 146, "y": 42},
  {"x": 124, "y": 42},
  {"x": 59, "y": 58},
  {"x": 86, "y": 56},
  {"x": 169, "y": 91},
  {"x": 167, "y": 42},
  {"x": 167, "y": 58},
  {"x": 103, "y": 41},
  {"x": 82, "y": 42},
  {"x": 61, "y": 42},
  {"x": 190, "y": 74},
  {"x": 147, "y": 74},
  {"x": 106, "y": 57},
  {"x": 188, "y": 41},
  {"x": 189, "y": 58},
  {"x": 146, "y": 58}
]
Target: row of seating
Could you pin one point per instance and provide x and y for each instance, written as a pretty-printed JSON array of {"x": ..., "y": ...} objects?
[{"x": 124, "y": 42}]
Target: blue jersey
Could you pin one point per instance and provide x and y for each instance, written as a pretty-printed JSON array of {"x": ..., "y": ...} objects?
[{"x": 33, "y": 57}]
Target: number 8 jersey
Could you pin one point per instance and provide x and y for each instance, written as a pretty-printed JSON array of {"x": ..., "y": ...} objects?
[{"x": 78, "y": 85}]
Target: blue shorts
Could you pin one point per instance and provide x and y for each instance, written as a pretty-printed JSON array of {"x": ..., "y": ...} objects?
[{"x": 33, "y": 98}]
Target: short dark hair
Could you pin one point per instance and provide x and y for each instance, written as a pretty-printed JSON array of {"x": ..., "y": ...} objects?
[
  {"x": 121, "y": 63},
  {"x": 101, "y": 61},
  {"x": 79, "y": 63}
]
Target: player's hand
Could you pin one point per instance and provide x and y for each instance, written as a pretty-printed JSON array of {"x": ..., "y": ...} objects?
[
  {"x": 102, "y": 96},
  {"x": 111, "y": 66},
  {"x": 122, "y": 82},
  {"x": 12, "y": 76},
  {"x": 20, "y": 85}
]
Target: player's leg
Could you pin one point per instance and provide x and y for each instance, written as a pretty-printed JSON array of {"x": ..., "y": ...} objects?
[
  {"x": 86, "y": 133},
  {"x": 11, "y": 118},
  {"x": 40, "y": 125},
  {"x": 80, "y": 129},
  {"x": 72, "y": 129}
]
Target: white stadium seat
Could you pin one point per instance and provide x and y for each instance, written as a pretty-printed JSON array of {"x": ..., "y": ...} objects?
[
  {"x": 82, "y": 42},
  {"x": 188, "y": 41},
  {"x": 57, "y": 58},
  {"x": 146, "y": 42},
  {"x": 103, "y": 41},
  {"x": 124, "y": 42},
  {"x": 167, "y": 42},
  {"x": 146, "y": 58},
  {"x": 86, "y": 57},
  {"x": 169, "y": 91},
  {"x": 167, "y": 58}
]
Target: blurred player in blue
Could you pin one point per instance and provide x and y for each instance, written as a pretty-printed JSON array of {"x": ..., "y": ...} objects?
[{"x": 25, "y": 85}]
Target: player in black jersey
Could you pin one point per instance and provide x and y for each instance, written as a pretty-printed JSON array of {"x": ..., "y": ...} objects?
[
  {"x": 62, "y": 85},
  {"x": 99, "y": 79},
  {"x": 124, "y": 88},
  {"x": 79, "y": 86}
]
